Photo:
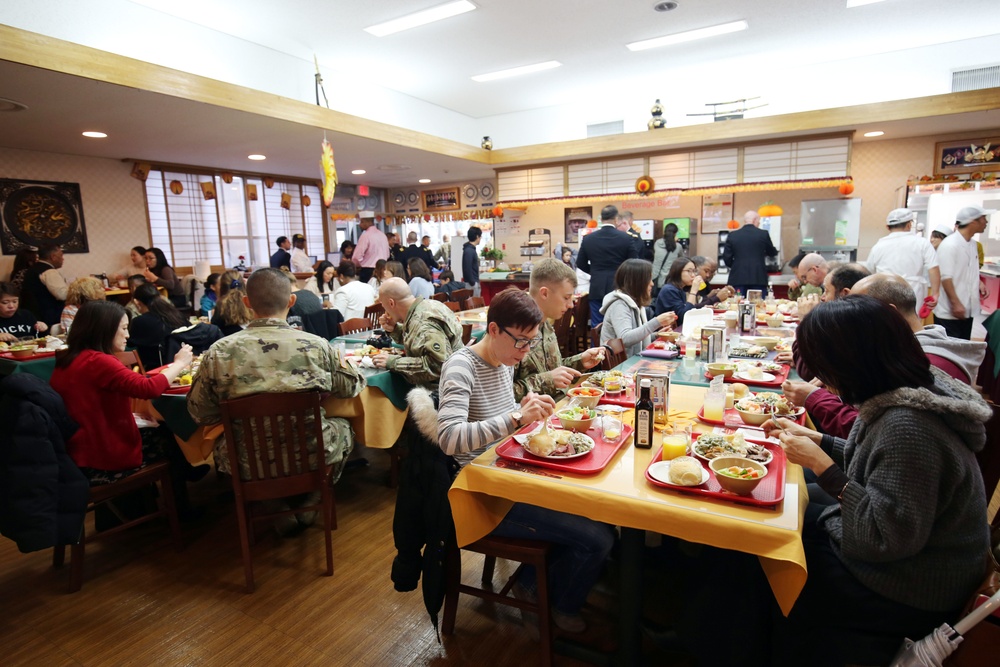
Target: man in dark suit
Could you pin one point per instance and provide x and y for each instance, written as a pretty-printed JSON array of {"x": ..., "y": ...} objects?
[
  {"x": 745, "y": 253},
  {"x": 281, "y": 257},
  {"x": 601, "y": 253}
]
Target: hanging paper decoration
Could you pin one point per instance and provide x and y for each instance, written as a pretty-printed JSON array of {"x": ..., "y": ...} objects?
[
  {"x": 251, "y": 192},
  {"x": 176, "y": 187},
  {"x": 208, "y": 190},
  {"x": 329, "y": 173},
  {"x": 733, "y": 224},
  {"x": 286, "y": 200},
  {"x": 268, "y": 182},
  {"x": 644, "y": 185},
  {"x": 498, "y": 211},
  {"x": 770, "y": 210},
  {"x": 140, "y": 170},
  {"x": 227, "y": 177},
  {"x": 306, "y": 200}
]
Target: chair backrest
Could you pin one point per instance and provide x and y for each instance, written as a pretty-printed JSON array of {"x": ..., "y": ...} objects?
[
  {"x": 473, "y": 302},
  {"x": 373, "y": 312},
  {"x": 453, "y": 305},
  {"x": 281, "y": 438},
  {"x": 130, "y": 359},
  {"x": 466, "y": 333},
  {"x": 461, "y": 295},
  {"x": 581, "y": 322},
  {"x": 56, "y": 329},
  {"x": 564, "y": 334},
  {"x": 595, "y": 335},
  {"x": 614, "y": 354},
  {"x": 440, "y": 296},
  {"x": 354, "y": 325}
]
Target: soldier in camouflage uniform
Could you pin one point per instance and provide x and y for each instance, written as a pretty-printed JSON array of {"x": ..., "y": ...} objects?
[
  {"x": 544, "y": 371},
  {"x": 428, "y": 330},
  {"x": 270, "y": 356}
]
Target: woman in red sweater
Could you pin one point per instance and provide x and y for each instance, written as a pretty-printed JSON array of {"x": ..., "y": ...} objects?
[{"x": 97, "y": 389}]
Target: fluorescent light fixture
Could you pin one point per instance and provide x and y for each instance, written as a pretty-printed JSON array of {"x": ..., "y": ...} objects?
[
  {"x": 424, "y": 180},
  {"x": 424, "y": 17},
  {"x": 876, "y": 133},
  {"x": 860, "y": 3},
  {"x": 256, "y": 156},
  {"x": 517, "y": 71},
  {"x": 95, "y": 135},
  {"x": 358, "y": 172},
  {"x": 689, "y": 36}
]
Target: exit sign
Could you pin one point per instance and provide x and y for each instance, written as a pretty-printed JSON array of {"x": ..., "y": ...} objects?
[{"x": 362, "y": 190}]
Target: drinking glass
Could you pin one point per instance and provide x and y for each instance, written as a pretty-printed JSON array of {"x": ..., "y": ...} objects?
[
  {"x": 676, "y": 444},
  {"x": 715, "y": 405},
  {"x": 611, "y": 425}
]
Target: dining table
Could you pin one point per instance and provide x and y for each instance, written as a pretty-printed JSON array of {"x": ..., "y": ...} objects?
[
  {"x": 473, "y": 316},
  {"x": 40, "y": 367},
  {"x": 620, "y": 495}
]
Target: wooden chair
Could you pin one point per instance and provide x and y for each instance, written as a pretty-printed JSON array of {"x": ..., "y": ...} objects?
[
  {"x": 440, "y": 296},
  {"x": 581, "y": 323},
  {"x": 614, "y": 354},
  {"x": 564, "y": 330},
  {"x": 130, "y": 359},
  {"x": 460, "y": 295},
  {"x": 526, "y": 552},
  {"x": 354, "y": 325},
  {"x": 453, "y": 305},
  {"x": 466, "y": 333},
  {"x": 373, "y": 312},
  {"x": 473, "y": 302},
  {"x": 152, "y": 474},
  {"x": 595, "y": 335},
  {"x": 282, "y": 467}
]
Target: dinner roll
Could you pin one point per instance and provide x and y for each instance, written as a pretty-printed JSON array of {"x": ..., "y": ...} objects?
[
  {"x": 685, "y": 471},
  {"x": 542, "y": 444},
  {"x": 740, "y": 390}
]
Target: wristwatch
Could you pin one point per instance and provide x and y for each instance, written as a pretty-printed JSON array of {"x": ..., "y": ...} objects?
[{"x": 516, "y": 416}]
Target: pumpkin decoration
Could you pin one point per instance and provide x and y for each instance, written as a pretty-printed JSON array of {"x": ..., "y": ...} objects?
[
  {"x": 498, "y": 211},
  {"x": 846, "y": 188},
  {"x": 644, "y": 185},
  {"x": 733, "y": 224},
  {"x": 592, "y": 224},
  {"x": 268, "y": 182},
  {"x": 306, "y": 200},
  {"x": 227, "y": 177},
  {"x": 176, "y": 187},
  {"x": 770, "y": 210}
]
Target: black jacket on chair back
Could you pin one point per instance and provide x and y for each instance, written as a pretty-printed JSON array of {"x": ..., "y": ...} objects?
[{"x": 43, "y": 495}]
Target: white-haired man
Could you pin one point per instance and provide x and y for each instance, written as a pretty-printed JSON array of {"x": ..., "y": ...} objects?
[{"x": 746, "y": 252}]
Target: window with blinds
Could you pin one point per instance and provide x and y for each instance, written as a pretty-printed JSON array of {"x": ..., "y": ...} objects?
[
  {"x": 796, "y": 160},
  {"x": 604, "y": 177},
  {"x": 189, "y": 228},
  {"x": 698, "y": 169}
]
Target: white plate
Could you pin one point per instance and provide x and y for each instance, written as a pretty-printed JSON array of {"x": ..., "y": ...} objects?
[
  {"x": 764, "y": 377},
  {"x": 523, "y": 441},
  {"x": 660, "y": 471},
  {"x": 770, "y": 455}
]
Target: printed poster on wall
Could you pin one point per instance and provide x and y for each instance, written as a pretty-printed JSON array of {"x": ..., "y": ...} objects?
[{"x": 716, "y": 211}]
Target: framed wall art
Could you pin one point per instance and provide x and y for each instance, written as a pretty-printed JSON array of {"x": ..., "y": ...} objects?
[
  {"x": 716, "y": 211},
  {"x": 967, "y": 156},
  {"x": 447, "y": 199},
  {"x": 37, "y": 213},
  {"x": 576, "y": 219}
]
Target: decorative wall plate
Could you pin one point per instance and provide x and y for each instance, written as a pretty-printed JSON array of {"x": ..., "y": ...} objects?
[
  {"x": 486, "y": 192},
  {"x": 470, "y": 192},
  {"x": 412, "y": 198},
  {"x": 399, "y": 199}
]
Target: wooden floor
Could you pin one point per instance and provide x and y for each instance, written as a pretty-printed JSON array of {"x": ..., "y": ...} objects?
[{"x": 143, "y": 603}]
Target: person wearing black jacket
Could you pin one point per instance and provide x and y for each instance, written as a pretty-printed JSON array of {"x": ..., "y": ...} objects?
[
  {"x": 745, "y": 253},
  {"x": 44, "y": 290},
  {"x": 158, "y": 332},
  {"x": 601, "y": 253},
  {"x": 470, "y": 259},
  {"x": 281, "y": 257}
]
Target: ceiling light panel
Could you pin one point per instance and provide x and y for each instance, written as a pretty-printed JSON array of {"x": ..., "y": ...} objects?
[
  {"x": 421, "y": 18},
  {"x": 689, "y": 36},
  {"x": 517, "y": 71},
  {"x": 860, "y": 3}
]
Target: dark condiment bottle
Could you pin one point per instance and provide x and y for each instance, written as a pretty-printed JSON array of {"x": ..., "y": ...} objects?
[{"x": 644, "y": 416}]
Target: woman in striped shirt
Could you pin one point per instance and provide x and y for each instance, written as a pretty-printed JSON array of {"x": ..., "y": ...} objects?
[{"x": 477, "y": 407}]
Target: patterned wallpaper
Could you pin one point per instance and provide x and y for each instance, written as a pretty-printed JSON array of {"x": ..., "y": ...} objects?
[{"x": 113, "y": 206}]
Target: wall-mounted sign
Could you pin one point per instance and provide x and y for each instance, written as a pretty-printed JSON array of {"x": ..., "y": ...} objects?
[{"x": 447, "y": 199}]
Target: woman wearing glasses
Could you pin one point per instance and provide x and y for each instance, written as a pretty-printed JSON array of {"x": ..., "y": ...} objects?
[
  {"x": 477, "y": 407},
  {"x": 680, "y": 291},
  {"x": 624, "y": 309}
]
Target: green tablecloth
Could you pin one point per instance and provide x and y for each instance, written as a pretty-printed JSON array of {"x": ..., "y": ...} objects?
[
  {"x": 691, "y": 372},
  {"x": 39, "y": 367}
]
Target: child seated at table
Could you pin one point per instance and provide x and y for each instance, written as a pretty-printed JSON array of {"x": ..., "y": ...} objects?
[{"x": 16, "y": 322}]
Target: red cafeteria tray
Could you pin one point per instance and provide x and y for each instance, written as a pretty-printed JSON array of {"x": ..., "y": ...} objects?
[
  {"x": 592, "y": 463},
  {"x": 36, "y": 355},
  {"x": 625, "y": 399},
  {"x": 173, "y": 389},
  {"x": 732, "y": 418},
  {"x": 779, "y": 378},
  {"x": 770, "y": 491}
]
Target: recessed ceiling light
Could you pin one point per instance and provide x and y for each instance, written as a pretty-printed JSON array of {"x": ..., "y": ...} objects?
[
  {"x": 665, "y": 6},
  {"x": 517, "y": 71},
  {"x": 256, "y": 156},
  {"x": 11, "y": 105},
  {"x": 358, "y": 172},
  {"x": 861, "y": 3},
  {"x": 95, "y": 135},
  {"x": 876, "y": 133},
  {"x": 689, "y": 36},
  {"x": 424, "y": 180},
  {"x": 421, "y": 18}
]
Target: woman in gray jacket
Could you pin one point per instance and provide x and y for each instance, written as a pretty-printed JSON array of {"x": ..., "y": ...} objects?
[
  {"x": 665, "y": 251},
  {"x": 624, "y": 309}
]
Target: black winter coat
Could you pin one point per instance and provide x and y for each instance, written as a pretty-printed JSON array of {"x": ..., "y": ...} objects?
[{"x": 43, "y": 495}]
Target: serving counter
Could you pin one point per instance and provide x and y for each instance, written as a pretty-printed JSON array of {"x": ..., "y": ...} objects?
[{"x": 492, "y": 284}]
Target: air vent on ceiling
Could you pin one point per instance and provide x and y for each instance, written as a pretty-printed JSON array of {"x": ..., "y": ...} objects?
[
  {"x": 975, "y": 79},
  {"x": 604, "y": 129}
]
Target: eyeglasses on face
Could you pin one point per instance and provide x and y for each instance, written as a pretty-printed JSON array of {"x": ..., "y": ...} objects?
[
  {"x": 521, "y": 343},
  {"x": 689, "y": 271}
]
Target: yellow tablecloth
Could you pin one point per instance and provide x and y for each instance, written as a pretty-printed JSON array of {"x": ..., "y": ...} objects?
[
  {"x": 377, "y": 423},
  {"x": 620, "y": 495}
]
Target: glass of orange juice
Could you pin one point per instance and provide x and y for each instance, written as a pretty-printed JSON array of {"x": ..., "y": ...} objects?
[{"x": 676, "y": 444}]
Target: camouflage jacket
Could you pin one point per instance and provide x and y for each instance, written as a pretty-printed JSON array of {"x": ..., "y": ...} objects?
[
  {"x": 429, "y": 334},
  {"x": 270, "y": 357},
  {"x": 543, "y": 358}
]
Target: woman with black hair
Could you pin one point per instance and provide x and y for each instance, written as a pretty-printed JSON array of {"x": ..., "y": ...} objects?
[
  {"x": 159, "y": 272},
  {"x": 346, "y": 250},
  {"x": 680, "y": 292},
  {"x": 161, "y": 328},
  {"x": 902, "y": 548},
  {"x": 666, "y": 251},
  {"x": 624, "y": 309},
  {"x": 325, "y": 280}
]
